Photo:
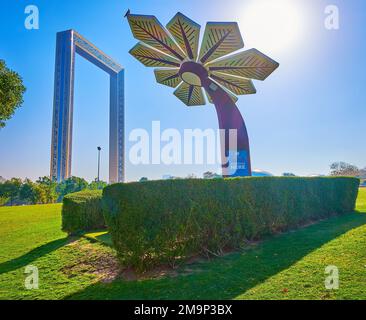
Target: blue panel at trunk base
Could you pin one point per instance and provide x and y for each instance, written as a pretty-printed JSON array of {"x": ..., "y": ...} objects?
[{"x": 238, "y": 163}]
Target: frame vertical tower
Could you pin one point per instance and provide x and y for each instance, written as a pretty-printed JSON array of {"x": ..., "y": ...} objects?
[{"x": 68, "y": 43}]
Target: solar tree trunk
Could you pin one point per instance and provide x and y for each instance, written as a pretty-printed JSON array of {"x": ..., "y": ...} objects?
[{"x": 235, "y": 153}]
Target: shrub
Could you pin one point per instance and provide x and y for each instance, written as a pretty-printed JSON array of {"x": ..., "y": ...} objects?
[
  {"x": 82, "y": 211},
  {"x": 159, "y": 222},
  {"x": 3, "y": 200}
]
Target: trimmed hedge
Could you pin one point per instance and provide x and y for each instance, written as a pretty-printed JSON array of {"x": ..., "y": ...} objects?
[
  {"x": 82, "y": 211},
  {"x": 164, "y": 222}
]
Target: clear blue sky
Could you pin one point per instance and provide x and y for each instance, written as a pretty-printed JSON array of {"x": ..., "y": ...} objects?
[{"x": 309, "y": 113}]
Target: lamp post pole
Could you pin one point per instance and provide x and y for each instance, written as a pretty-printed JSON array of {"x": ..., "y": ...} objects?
[{"x": 99, "y": 149}]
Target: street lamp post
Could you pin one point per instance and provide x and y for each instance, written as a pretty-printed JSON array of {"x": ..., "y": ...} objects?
[{"x": 99, "y": 149}]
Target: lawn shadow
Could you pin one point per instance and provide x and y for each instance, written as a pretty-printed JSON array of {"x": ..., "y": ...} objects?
[
  {"x": 234, "y": 274},
  {"x": 32, "y": 255}
]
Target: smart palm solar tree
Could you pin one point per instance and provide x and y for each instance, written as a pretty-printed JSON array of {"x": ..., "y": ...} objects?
[{"x": 175, "y": 50}]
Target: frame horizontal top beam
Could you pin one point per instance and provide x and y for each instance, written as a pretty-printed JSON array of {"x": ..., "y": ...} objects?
[{"x": 93, "y": 54}]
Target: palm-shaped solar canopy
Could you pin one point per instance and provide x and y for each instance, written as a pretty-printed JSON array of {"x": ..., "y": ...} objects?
[{"x": 181, "y": 64}]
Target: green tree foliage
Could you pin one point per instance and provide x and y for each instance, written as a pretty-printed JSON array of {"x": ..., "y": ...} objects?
[
  {"x": 11, "y": 93},
  {"x": 211, "y": 175},
  {"x": 40, "y": 195},
  {"x": 3, "y": 200},
  {"x": 41, "y": 192},
  {"x": 44, "y": 190},
  {"x": 10, "y": 189},
  {"x": 97, "y": 185},
  {"x": 288, "y": 174},
  {"x": 49, "y": 188},
  {"x": 362, "y": 173},
  {"x": 26, "y": 192},
  {"x": 71, "y": 185}
]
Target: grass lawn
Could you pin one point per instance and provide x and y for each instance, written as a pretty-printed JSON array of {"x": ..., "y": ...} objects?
[{"x": 287, "y": 266}]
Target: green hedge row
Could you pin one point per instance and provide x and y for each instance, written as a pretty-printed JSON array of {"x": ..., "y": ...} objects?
[
  {"x": 82, "y": 211},
  {"x": 164, "y": 222}
]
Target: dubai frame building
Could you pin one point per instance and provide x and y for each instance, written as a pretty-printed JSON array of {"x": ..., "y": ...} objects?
[{"x": 68, "y": 43}]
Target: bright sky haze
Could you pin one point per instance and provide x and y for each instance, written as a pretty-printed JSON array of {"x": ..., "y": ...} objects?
[{"x": 309, "y": 113}]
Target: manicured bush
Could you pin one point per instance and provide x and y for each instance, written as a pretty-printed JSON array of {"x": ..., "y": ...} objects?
[
  {"x": 164, "y": 222},
  {"x": 82, "y": 211}
]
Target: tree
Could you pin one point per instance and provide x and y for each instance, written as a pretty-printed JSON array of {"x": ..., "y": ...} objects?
[
  {"x": 362, "y": 173},
  {"x": 49, "y": 189},
  {"x": 11, "y": 93},
  {"x": 211, "y": 175},
  {"x": 97, "y": 185},
  {"x": 288, "y": 174},
  {"x": 40, "y": 194},
  {"x": 143, "y": 179},
  {"x": 71, "y": 185},
  {"x": 208, "y": 175},
  {"x": 10, "y": 189},
  {"x": 26, "y": 191},
  {"x": 34, "y": 193},
  {"x": 43, "y": 191},
  {"x": 344, "y": 169},
  {"x": 3, "y": 200}
]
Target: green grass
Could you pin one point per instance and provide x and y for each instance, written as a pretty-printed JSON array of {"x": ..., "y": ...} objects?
[
  {"x": 287, "y": 266},
  {"x": 32, "y": 235},
  {"x": 100, "y": 236}
]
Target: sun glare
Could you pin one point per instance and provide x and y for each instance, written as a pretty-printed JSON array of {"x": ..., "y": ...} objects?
[{"x": 274, "y": 27}]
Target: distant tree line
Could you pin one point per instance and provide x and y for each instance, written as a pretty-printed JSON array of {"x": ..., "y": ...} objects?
[
  {"x": 21, "y": 192},
  {"x": 206, "y": 175},
  {"x": 346, "y": 169}
]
